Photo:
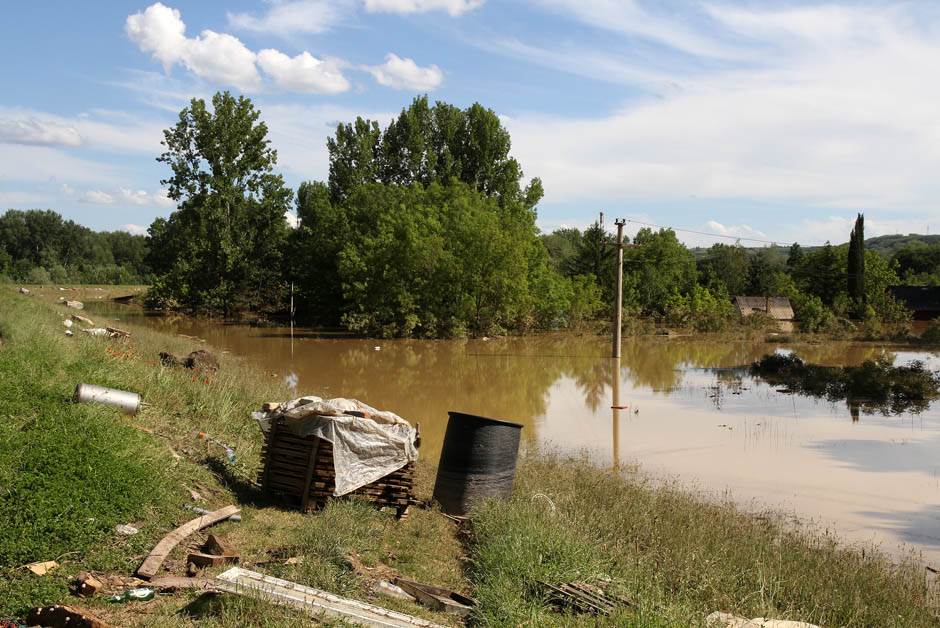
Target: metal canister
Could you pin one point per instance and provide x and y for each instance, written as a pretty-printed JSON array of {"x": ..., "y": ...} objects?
[
  {"x": 126, "y": 402},
  {"x": 478, "y": 461}
]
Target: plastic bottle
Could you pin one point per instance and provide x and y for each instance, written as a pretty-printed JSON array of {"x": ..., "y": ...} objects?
[{"x": 141, "y": 594}]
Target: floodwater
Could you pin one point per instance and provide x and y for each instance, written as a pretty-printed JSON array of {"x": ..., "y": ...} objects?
[{"x": 688, "y": 411}]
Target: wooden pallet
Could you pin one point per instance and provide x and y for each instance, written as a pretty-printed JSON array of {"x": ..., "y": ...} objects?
[{"x": 300, "y": 471}]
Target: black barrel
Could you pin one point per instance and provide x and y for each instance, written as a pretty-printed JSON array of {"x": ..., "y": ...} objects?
[{"x": 478, "y": 460}]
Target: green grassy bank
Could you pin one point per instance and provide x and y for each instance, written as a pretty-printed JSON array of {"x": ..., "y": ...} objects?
[{"x": 69, "y": 473}]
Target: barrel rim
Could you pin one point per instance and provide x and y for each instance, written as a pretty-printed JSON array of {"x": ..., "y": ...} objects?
[{"x": 454, "y": 413}]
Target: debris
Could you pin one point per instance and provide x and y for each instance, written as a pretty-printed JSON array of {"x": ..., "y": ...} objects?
[
  {"x": 376, "y": 348},
  {"x": 98, "y": 332},
  {"x": 203, "y": 511},
  {"x": 86, "y": 585},
  {"x": 196, "y": 496},
  {"x": 24, "y": 291},
  {"x": 78, "y": 318},
  {"x": 115, "y": 332},
  {"x": 200, "y": 359},
  {"x": 271, "y": 406},
  {"x": 201, "y": 560},
  {"x": 62, "y": 617},
  {"x": 229, "y": 452},
  {"x": 125, "y": 530},
  {"x": 437, "y": 598},
  {"x": 127, "y": 402},
  {"x": 314, "y": 601},
  {"x": 174, "y": 583},
  {"x": 43, "y": 567},
  {"x": 216, "y": 546},
  {"x": 159, "y": 553},
  {"x": 68, "y": 332},
  {"x": 141, "y": 594},
  {"x": 727, "y": 620},
  {"x": 67, "y": 322},
  {"x": 78, "y": 305},
  {"x": 583, "y": 598},
  {"x": 386, "y": 588}
]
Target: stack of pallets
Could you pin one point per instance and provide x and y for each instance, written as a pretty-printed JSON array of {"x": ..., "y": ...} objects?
[{"x": 300, "y": 471}]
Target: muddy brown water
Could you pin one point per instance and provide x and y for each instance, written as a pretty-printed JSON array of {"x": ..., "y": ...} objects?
[{"x": 685, "y": 409}]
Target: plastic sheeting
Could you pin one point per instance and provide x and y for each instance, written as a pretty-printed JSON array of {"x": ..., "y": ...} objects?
[{"x": 365, "y": 448}]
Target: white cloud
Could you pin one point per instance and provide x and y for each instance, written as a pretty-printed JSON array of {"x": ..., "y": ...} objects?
[
  {"x": 452, "y": 7},
  {"x": 734, "y": 231},
  {"x": 293, "y": 220},
  {"x": 96, "y": 197},
  {"x": 845, "y": 119},
  {"x": 836, "y": 229},
  {"x": 404, "y": 73},
  {"x": 37, "y": 132},
  {"x": 135, "y": 197},
  {"x": 133, "y": 229},
  {"x": 286, "y": 18},
  {"x": 303, "y": 73},
  {"x": 218, "y": 57}
]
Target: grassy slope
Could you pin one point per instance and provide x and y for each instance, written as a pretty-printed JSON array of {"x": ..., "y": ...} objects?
[{"x": 70, "y": 472}]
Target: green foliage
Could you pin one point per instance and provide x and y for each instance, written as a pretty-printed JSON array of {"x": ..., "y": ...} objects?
[
  {"x": 426, "y": 145},
  {"x": 656, "y": 268},
  {"x": 701, "y": 310},
  {"x": 221, "y": 250},
  {"x": 38, "y": 246},
  {"x": 855, "y": 269},
  {"x": 727, "y": 266}
]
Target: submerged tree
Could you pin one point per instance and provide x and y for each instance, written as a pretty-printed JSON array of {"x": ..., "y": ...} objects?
[{"x": 221, "y": 250}]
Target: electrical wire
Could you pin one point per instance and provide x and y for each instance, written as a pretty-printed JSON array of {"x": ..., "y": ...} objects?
[{"x": 705, "y": 233}]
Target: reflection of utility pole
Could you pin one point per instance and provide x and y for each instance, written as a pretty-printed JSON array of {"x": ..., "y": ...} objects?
[
  {"x": 615, "y": 406},
  {"x": 618, "y": 302}
]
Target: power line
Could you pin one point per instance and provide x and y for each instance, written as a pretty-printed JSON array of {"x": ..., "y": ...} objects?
[{"x": 704, "y": 233}]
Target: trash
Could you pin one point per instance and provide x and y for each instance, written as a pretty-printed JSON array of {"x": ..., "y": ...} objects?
[
  {"x": 196, "y": 496},
  {"x": 386, "y": 588},
  {"x": 314, "y": 601},
  {"x": 203, "y": 511},
  {"x": 229, "y": 452},
  {"x": 202, "y": 560},
  {"x": 727, "y": 620},
  {"x": 43, "y": 567},
  {"x": 126, "y": 530},
  {"x": 583, "y": 598},
  {"x": 86, "y": 585},
  {"x": 199, "y": 359},
  {"x": 159, "y": 553},
  {"x": 127, "y": 402},
  {"x": 24, "y": 291},
  {"x": 376, "y": 348},
  {"x": 78, "y": 318},
  {"x": 99, "y": 332},
  {"x": 174, "y": 583},
  {"x": 62, "y": 617},
  {"x": 67, "y": 322},
  {"x": 68, "y": 332},
  {"x": 141, "y": 594},
  {"x": 78, "y": 305},
  {"x": 437, "y": 598}
]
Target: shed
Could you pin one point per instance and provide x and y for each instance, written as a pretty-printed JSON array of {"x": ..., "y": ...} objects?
[
  {"x": 923, "y": 301},
  {"x": 778, "y": 308}
]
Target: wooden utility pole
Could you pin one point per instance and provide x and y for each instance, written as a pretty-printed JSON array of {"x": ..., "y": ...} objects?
[{"x": 618, "y": 302}]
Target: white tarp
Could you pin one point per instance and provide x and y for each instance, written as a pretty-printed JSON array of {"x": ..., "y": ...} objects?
[{"x": 365, "y": 449}]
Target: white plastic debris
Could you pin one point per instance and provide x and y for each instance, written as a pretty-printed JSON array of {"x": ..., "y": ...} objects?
[
  {"x": 67, "y": 322},
  {"x": 78, "y": 305},
  {"x": 125, "y": 530},
  {"x": 68, "y": 332}
]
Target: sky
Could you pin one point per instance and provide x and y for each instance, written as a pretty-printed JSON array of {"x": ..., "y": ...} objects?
[{"x": 777, "y": 121}]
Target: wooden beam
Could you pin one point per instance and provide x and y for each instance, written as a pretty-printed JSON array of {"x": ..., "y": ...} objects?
[{"x": 154, "y": 561}]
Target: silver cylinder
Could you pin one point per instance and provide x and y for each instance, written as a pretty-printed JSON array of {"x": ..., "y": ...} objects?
[{"x": 127, "y": 402}]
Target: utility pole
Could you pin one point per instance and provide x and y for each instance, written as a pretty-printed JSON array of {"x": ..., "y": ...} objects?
[{"x": 618, "y": 302}]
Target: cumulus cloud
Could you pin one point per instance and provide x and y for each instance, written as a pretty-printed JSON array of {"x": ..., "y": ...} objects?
[
  {"x": 453, "y": 7},
  {"x": 223, "y": 58},
  {"x": 96, "y": 197},
  {"x": 133, "y": 229},
  {"x": 286, "y": 18},
  {"x": 37, "y": 132},
  {"x": 293, "y": 220},
  {"x": 404, "y": 73},
  {"x": 303, "y": 73}
]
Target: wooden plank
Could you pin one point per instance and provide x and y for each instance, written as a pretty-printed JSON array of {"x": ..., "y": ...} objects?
[
  {"x": 159, "y": 553},
  {"x": 315, "y": 601},
  {"x": 308, "y": 476}
]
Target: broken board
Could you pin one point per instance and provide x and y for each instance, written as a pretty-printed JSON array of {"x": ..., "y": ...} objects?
[{"x": 314, "y": 601}]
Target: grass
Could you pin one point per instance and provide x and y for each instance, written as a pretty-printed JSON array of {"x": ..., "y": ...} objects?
[{"x": 70, "y": 472}]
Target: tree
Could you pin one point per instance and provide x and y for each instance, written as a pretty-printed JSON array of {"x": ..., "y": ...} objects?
[
  {"x": 657, "y": 267},
  {"x": 229, "y": 230},
  {"x": 795, "y": 257},
  {"x": 726, "y": 266},
  {"x": 855, "y": 271}
]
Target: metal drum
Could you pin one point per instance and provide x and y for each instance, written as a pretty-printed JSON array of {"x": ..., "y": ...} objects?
[
  {"x": 478, "y": 461},
  {"x": 127, "y": 402}
]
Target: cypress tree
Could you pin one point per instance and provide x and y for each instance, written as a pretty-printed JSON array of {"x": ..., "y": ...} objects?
[{"x": 855, "y": 272}]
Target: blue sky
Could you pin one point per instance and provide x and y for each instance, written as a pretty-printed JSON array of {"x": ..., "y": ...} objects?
[{"x": 771, "y": 120}]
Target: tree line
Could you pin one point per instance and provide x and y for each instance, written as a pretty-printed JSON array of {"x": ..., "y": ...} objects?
[
  {"x": 426, "y": 227},
  {"x": 40, "y": 247}
]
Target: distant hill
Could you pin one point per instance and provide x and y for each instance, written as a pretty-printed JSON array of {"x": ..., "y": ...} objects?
[{"x": 886, "y": 245}]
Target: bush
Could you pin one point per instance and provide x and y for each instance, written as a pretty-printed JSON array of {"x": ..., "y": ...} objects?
[{"x": 38, "y": 275}]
